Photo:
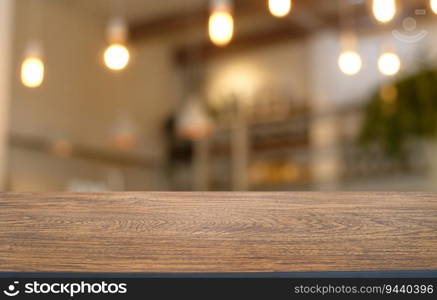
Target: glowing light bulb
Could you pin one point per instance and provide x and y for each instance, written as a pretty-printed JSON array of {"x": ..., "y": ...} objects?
[
  {"x": 116, "y": 57},
  {"x": 32, "y": 72},
  {"x": 280, "y": 8},
  {"x": 389, "y": 64},
  {"x": 350, "y": 62},
  {"x": 433, "y": 4},
  {"x": 384, "y": 10},
  {"x": 221, "y": 23}
]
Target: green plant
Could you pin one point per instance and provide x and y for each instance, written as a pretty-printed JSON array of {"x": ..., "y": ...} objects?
[{"x": 403, "y": 110}]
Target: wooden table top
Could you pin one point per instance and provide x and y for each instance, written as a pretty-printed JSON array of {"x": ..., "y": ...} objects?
[{"x": 217, "y": 232}]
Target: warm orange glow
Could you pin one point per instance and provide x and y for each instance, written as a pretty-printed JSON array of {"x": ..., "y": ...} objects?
[
  {"x": 433, "y": 4},
  {"x": 116, "y": 57},
  {"x": 389, "y": 64},
  {"x": 32, "y": 72},
  {"x": 280, "y": 8},
  {"x": 384, "y": 10},
  {"x": 221, "y": 28},
  {"x": 350, "y": 62}
]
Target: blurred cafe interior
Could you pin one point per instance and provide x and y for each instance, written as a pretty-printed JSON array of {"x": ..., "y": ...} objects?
[{"x": 218, "y": 95}]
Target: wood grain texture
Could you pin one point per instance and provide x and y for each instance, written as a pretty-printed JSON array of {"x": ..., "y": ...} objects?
[{"x": 218, "y": 232}]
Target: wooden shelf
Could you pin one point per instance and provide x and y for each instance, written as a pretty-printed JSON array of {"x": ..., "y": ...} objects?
[{"x": 84, "y": 152}]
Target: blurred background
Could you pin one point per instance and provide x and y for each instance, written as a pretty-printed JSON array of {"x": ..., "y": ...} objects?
[{"x": 113, "y": 95}]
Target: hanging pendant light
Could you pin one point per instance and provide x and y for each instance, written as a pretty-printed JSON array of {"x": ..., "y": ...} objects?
[
  {"x": 117, "y": 56},
  {"x": 32, "y": 70},
  {"x": 32, "y": 67},
  {"x": 221, "y": 22},
  {"x": 193, "y": 121},
  {"x": 433, "y": 5},
  {"x": 124, "y": 134},
  {"x": 280, "y": 8},
  {"x": 350, "y": 62},
  {"x": 384, "y": 10},
  {"x": 389, "y": 63}
]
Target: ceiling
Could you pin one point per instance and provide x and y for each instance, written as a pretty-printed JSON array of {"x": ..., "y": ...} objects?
[
  {"x": 140, "y": 10},
  {"x": 143, "y": 10},
  {"x": 151, "y": 17}
]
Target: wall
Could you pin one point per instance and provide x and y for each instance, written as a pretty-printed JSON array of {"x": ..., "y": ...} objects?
[
  {"x": 279, "y": 67},
  {"x": 6, "y": 31}
]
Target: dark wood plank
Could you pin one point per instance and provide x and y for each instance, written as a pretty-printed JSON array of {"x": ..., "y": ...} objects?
[
  {"x": 218, "y": 232},
  {"x": 205, "y": 50},
  {"x": 178, "y": 22}
]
